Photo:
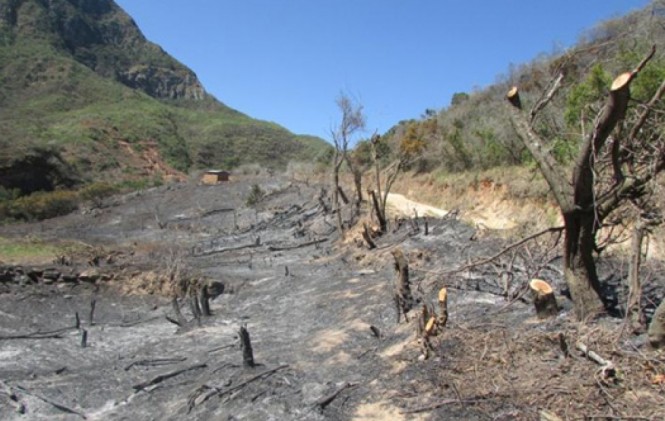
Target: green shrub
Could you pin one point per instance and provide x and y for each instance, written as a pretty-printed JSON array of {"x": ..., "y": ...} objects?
[
  {"x": 256, "y": 194},
  {"x": 42, "y": 205},
  {"x": 96, "y": 192}
]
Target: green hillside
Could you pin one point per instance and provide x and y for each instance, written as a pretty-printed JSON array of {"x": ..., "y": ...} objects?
[
  {"x": 474, "y": 133},
  {"x": 81, "y": 86}
]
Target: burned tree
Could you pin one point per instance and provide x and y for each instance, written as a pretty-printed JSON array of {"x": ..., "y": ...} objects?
[
  {"x": 616, "y": 163},
  {"x": 353, "y": 120},
  {"x": 402, "y": 285},
  {"x": 410, "y": 148}
]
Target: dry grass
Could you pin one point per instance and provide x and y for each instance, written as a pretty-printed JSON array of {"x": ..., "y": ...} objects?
[{"x": 519, "y": 372}]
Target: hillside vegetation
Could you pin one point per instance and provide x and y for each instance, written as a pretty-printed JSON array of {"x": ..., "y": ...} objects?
[
  {"x": 474, "y": 133},
  {"x": 83, "y": 90}
]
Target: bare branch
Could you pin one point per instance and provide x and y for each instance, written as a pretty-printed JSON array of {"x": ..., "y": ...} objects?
[
  {"x": 547, "y": 97},
  {"x": 551, "y": 169}
]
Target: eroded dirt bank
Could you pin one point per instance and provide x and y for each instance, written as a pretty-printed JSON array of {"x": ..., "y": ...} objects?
[{"x": 320, "y": 314}]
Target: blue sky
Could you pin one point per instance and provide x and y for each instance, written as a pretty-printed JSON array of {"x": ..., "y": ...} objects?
[{"x": 287, "y": 60}]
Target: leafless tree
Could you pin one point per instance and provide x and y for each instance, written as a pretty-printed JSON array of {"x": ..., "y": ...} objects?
[
  {"x": 617, "y": 162},
  {"x": 353, "y": 120},
  {"x": 409, "y": 150}
]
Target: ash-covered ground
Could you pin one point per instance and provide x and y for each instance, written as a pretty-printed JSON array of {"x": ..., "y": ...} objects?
[{"x": 319, "y": 311}]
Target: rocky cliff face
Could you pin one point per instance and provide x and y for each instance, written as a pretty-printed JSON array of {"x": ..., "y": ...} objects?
[
  {"x": 161, "y": 82},
  {"x": 103, "y": 37}
]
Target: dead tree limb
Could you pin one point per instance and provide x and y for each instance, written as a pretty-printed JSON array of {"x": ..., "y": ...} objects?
[
  {"x": 155, "y": 362},
  {"x": 216, "y": 391},
  {"x": 166, "y": 376},
  {"x": 323, "y": 402},
  {"x": 297, "y": 246},
  {"x": 502, "y": 252},
  {"x": 51, "y": 402},
  {"x": 607, "y": 367},
  {"x": 51, "y": 334},
  {"x": 227, "y": 249},
  {"x": 13, "y": 398},
  {"x": 445, "y": 402},
  {"x": 547, "y": 97}
]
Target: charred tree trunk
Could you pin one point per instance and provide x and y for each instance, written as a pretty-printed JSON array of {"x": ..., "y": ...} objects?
[
  {"x": 345, "y": 199},
  {"x": 402, "y": 289},
  {"x": 580, "y": 266},
  {"x": 246, "y": 344},
  {"x": 176, "y": 309},
  {"x": 378, "y": 211},
  {"x": 358, "y": 183},
  {"x": 368, "y": 237},
  {"x": 204, "y": 301},
  {"x": 336, "y": 205},
  {"x": 634, "y": 310}
]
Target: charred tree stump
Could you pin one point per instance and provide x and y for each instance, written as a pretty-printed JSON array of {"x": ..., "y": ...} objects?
[
  {"x": 93, "y": 304},
  {"x": 657, "y": 327},
  {"x": 204, "y": 301},
  {"x": 246, "y": 344},
  {"x": 195, "y": 307},
  {"x": 543, "y": 298},
  {"x": 402, "y": 285},
  {"x": 443, "y": 307},
  {"x": 368, "y": 237},
  {"x": 343, "y": 195},
  {"x": 380, "y": 216},
  {"x": 84, "y": 338},
  {"x": 176, "y": 309}
]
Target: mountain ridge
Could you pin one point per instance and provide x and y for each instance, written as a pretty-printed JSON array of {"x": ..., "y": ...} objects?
[{"x": 79, "y": 80}]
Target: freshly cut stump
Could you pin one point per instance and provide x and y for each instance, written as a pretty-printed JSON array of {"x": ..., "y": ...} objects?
[
  {"x": 443, "y": 307},
  {"x": 543, "y": 298}
]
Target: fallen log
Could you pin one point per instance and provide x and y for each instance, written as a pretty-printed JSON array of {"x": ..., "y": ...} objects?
[
  {"x": 607, "y": 369},
  {"x": 166, "y": 376},
  {"x": 51, "y": 402},
  {"x": 216, "y": 391},
  {"x": 543, "y": 298},
  {"x": 329, "y": 398},
  {"x": 296, "y": 246},
  {"x": 155, "y": 362},
  {"x": 13, "y": 398}
]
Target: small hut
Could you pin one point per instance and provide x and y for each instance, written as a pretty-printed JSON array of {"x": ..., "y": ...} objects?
[{"x": 211, "y": 177}]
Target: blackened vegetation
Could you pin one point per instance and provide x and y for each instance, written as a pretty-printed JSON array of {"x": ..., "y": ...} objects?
[{"x": 324, "y": 342}]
